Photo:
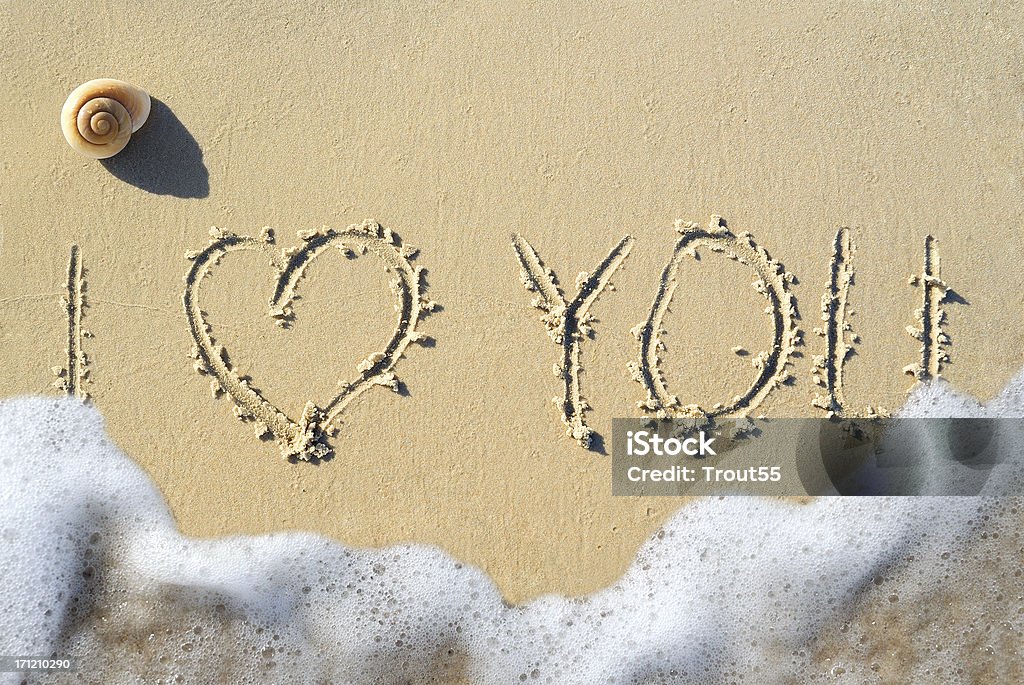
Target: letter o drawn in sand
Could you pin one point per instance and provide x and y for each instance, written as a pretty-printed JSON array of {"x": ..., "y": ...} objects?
[
  {"x": 304, "y": 439},
  {"x": 772, "y": 282}
]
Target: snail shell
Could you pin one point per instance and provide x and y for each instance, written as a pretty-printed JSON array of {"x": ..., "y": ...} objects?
[{"x": 100, "y": 116}]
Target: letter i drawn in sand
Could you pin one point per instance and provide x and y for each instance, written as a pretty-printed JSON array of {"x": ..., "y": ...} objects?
[
  {"x": 71, "y": 378},
  {"x": 931, "y": 317},
  {"x": 568, "y": 322}
]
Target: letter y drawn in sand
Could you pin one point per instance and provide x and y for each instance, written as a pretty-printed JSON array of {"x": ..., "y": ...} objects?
[{"x": 568, "y": 322}]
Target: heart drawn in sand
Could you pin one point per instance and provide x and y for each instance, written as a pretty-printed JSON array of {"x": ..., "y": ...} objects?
[{"x": 304, "y": 439}]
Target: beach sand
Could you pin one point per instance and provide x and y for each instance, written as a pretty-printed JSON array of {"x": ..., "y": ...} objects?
[{"x": 457, "y": 126}]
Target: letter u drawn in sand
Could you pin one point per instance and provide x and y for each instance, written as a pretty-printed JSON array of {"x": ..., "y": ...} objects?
[
  {"x": 772, "y": 282},
  {"x": 304, "y": 439}
]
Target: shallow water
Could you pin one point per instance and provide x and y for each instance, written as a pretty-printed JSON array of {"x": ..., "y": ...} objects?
[{"x": 740, "y": 589}]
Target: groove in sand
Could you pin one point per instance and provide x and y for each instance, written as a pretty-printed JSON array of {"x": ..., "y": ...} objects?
[
  {"x": 827, "y": 370},
  {"x": 568, "y": 323},
  {"x": 772, "y": 282},
  {"x": 305, "y": 439},
  {"x": 71, "y": 377},
  {"x": 930, "y": 317}
]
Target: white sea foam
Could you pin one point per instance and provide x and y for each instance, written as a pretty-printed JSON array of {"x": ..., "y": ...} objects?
[{"x": 730, "y": 590}]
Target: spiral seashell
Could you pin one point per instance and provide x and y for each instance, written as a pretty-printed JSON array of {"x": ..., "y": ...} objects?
[{"x": 100, "y": 116}]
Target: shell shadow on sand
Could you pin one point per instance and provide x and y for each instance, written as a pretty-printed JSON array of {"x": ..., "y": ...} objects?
[{"x": 162, "y": 158}]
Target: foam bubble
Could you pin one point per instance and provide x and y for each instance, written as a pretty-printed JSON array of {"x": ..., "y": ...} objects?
[{"x": 730, "y": 590}]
